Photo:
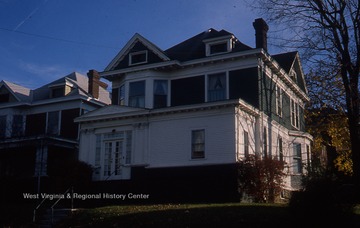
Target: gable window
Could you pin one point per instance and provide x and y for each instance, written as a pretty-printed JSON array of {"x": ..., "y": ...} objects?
[
  {"x": 217, "y": 87},
  {"x": 246, "y": 144},
  {"x": 197, "y": 144},
  {"x": 160, "y": 93},
  {"x": 137, "y": 94},
  {"x": 297, "y": 159},
  {"x": 138, "y": 57},
  {"x": 17, "y": 126},
  {"x": 294, "y": 111},
  {"x": 293, "y": 75},
  {"x": 279, "y": 105}
]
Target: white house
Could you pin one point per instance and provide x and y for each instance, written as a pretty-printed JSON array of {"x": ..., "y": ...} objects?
[{"x": 188, "y": 114}]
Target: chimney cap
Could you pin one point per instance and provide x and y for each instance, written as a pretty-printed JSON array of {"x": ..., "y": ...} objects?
[{"x": 260, "y": 23}]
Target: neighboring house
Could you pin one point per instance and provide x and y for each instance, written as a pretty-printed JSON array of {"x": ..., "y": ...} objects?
[
  {"x": 182, "y": 118},
  {"x": 37, "y": 130}
]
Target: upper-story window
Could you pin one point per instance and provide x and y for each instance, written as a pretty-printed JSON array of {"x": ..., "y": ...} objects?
[
  {"x": 53, "y": 120},
  {"x": 160, "y": 93},
  {"x": 138, "y": 57},
  {"x": 217, "y": 87},
  {"x": 297, "y": 159},
  {"x": 17, "y": 126},
  {"x": 294, "y": 111},
  {"x": 293, "y": 75},
  {"x": 57, "y": 92},
  {"x": 3, "y": 129},
  {"x": 137, "y": 94},
  {"x": 5, "y": 97},
  {"x": 218, "y": 46},
  {"x": 279, "y": 105}
]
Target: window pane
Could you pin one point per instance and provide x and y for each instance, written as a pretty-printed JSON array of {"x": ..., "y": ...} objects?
[
  {"x": 2, "y": 126},
  {"x": 160, "y": 93},
  {"x": 198, "y": 144},
  {"x": 17, "y": 125},
  {"x": 246, "y": 143},
  {"x": 217, "y": 87},
  {"x": 137, "y": 94},
  {"x": 53, "y": 123},
  {"x": 218, "y": 48}
]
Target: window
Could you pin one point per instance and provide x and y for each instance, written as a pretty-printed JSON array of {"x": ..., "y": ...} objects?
[
  {"x": 117, "y": 152},
  {"x": 265, "y": 142},
  {"x": 57, "y": 92},
  {"x": 137, "y": 94},
  {"x": 118, "y": 95},
  {"x": 17, "y": 126},
  {"x": 294, "y": 110},
  {"x": 281, "y": 151},
  {"x": 122, "y": 95},
  {"x": 3, "y": 126},
  {"x": 246, "y": 144},
  {"x": 293, "y": 75},
  {"x": 138, "y": 57},
  {"x": 53, "y": 123},
  {"x": 97, "y": 154},
  {"x": 160, "y": 93},
  {"x": 4, "y": 97},
  {"x": 218, "y": 48},
  {"x": 279, "y": 101},
  {"x": 217, "y": 87},
  {"x": 198, "y": 144},
  {"x": 297, "y": 158}
]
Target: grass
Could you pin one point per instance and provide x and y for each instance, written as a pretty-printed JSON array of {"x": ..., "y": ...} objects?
[{"x": 200, "y": 215}]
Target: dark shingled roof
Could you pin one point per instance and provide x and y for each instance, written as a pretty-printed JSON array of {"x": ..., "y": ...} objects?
[
  {"x": 194, "y": 48},
  {"x": 285, "y": 60}
]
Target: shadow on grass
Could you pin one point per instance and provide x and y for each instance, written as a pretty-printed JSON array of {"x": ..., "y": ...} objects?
[{"x": 235, "y": 215}]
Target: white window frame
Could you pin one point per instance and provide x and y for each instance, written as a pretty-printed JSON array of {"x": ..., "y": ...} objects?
[
  {"x": 213, "y": 43},
  {"x": 297, "y": 158},
  {"x": 294, "y": 114},
  {"x": 225, "y": 73},
  {"x": 138, "y": 53}
]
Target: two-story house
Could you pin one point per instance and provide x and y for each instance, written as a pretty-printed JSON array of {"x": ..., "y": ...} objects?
[
  {"x": 37, "y": 130},
  {"x": 182, "y": 118}
]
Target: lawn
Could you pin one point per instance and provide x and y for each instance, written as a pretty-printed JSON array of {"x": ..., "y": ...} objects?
[{"x": 202, "y": 215}]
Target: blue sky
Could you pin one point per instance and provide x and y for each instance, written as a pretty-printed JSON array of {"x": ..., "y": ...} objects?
[{"x": 42, "y": 40}]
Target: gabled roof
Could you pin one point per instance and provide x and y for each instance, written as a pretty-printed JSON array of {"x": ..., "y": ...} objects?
[
  {"x": 286, "y": 60},
  {"x": 19, "y": 92},
  {"x": 289, "y": 61},
  {"x": 194, "y": 48},
  {"x": 130, "y": 44}
]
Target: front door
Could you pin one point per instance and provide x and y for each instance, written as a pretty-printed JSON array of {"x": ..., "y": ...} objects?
[{"x": 114, "y": 159}]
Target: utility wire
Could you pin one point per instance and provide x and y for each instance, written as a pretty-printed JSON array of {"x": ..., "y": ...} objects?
[{"x": 57, "y": 39}]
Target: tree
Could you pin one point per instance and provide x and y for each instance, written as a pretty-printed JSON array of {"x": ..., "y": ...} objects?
[
  {"x": 327, "y": 32},
  {"x": 330, "y": 130},
  {"x": 261, "y": 179}
]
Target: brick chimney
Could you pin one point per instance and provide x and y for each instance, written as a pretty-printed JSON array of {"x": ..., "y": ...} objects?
[
  {"x": 95, "y": 83},
  {"x": 261, "y": 29}
]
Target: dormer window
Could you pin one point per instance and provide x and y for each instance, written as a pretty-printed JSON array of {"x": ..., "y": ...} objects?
[
  {"x": 57, "y": 92},
  {"x": 218, "y": 45},
  {"x": 138, "y": 57},
  {"x": 218, "y": 48}
]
